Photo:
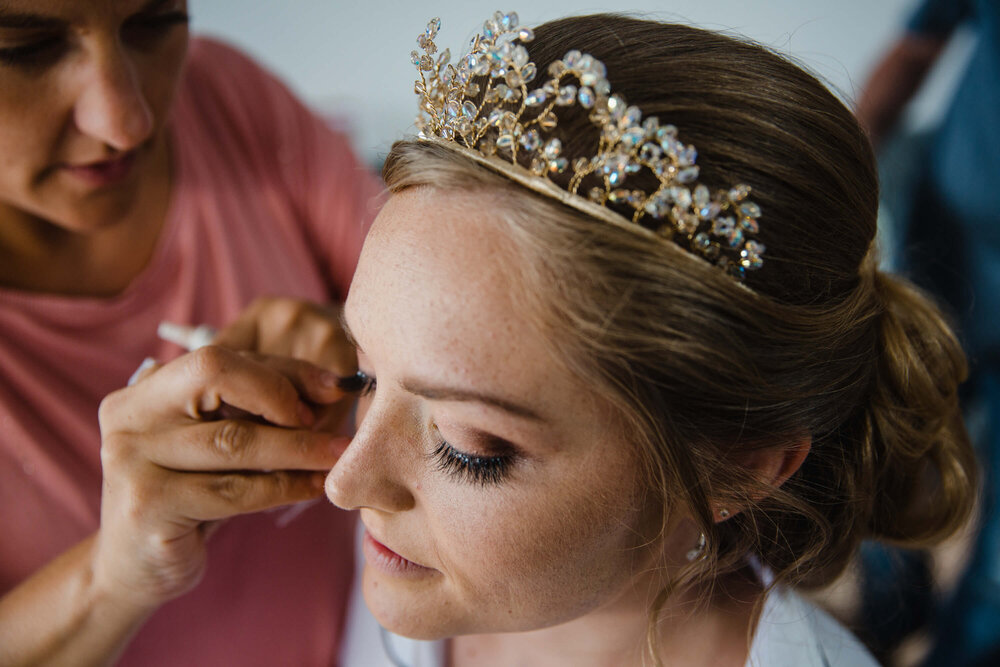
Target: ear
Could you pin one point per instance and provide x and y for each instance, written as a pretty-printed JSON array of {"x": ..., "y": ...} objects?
[
  {"x": 774, "y": 465},
  {"x": 771, "y": 465}
]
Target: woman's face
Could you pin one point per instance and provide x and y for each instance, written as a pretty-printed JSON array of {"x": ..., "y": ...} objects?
[
  {"x": 85, "y": 86},
  {"x": 496, "y": 492}
]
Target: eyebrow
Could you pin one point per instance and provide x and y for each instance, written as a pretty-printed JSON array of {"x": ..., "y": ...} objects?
[
  {"x": 14, "y": 21},
  {"x": 436, "y": 393},
  {"x": 23, "y": 21}
]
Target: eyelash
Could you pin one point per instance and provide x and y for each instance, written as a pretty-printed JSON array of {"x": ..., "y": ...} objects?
[
  {"x": 47, "y": 49},
  {"x": 160, "y": 23},
  {"x": 32, "y": 54},
  {"x": 366, "y": 384},
  {"x": 482, "y": 470}
]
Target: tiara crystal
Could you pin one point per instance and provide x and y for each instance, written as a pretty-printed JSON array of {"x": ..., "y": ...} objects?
[{"x": 490, "y": 108}]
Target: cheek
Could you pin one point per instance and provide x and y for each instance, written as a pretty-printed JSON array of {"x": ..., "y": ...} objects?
[
  {"x": 30, "y": 120},
  {"x": 538, "y": 558},
  {"x": 29, "y": 141},
  {"x": 160, "y": 72}
]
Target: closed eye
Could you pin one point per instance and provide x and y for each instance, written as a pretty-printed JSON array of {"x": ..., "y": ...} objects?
[
  {"x": 42, "y": 51},
  {"x": 144, "y": 30},
  {"x": 482, "y": 470}
]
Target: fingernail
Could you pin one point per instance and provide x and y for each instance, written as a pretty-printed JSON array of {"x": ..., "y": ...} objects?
[
  {"x": 329, "y": 379},
  {"x": 306, "y": 415}
]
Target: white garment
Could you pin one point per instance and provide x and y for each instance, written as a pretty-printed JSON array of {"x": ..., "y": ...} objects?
[{"x": 792, "y": 633}]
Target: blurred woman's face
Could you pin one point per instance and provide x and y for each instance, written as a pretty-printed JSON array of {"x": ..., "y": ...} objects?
[
  {"x": 85, "y": 87},
  {"x": 496, "y": 491}
]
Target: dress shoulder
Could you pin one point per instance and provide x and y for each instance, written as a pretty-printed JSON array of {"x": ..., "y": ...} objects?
[{"x": 793, "y": 632}]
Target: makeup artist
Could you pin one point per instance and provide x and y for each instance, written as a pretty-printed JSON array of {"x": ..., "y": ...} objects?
[{"x": 146, "y": 177}]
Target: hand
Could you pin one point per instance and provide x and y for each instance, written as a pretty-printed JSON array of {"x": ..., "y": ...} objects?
[
  {"x": 292, "y": 328},
  {"x": 299, "y": 329},
  {"x": 169, "y": 474}
]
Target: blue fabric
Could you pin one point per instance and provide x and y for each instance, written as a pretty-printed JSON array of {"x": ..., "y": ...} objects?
[
  {"x": 899, "y": 596},
  {"x": 952, "y": 246},
  {"x": 964, "y": 163},
  {"x": 939, "y": 17},
  {"x": 969, "y": 626}
]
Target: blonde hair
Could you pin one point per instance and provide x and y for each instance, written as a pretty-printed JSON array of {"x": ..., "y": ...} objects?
[{"x": 823, "y": 345}]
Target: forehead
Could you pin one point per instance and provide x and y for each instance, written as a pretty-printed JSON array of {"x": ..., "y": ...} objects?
[{"x": 439, "y": 277}]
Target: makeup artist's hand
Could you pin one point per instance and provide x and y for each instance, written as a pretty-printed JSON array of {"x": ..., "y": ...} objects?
[
  {"x": 174, "y": 463},
  {"x": 299, "y": 329},
  {"x": 292, "y": 328}
]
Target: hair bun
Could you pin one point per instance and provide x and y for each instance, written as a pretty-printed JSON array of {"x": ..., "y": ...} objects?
[{"x": 920, "y": 454}]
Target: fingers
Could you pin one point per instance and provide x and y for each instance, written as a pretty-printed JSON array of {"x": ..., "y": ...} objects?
[
  {"x": 242, "y": 333},
  {"x": 322, "y": 340},
  {"x": 294, "y": 328},
  {"x": 210, "y": 497},
  {"x": 314, "y": 383},
  {"x": 331, "y": 418},
  {"x": 241, "y": 445},
  {"x": 204, "y": 380},
  {"x": 169, "y": 475}
]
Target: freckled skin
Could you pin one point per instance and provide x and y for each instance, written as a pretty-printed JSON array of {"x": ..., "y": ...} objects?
[{"x": 560, "y": 537}]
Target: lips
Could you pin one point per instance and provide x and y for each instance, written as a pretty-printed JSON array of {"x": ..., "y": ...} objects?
[
  {"x": 103, "y": 172},
  {"x": 386, "y": 560}
]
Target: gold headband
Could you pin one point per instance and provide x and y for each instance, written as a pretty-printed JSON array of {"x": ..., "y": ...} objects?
[{"x": 718, "y": 227}]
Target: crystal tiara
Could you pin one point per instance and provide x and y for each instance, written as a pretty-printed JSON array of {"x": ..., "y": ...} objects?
[{"x": 513, "y": 120}]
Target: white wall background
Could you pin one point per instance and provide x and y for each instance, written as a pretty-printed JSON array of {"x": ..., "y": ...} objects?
[{"x": 350, "y": 59}]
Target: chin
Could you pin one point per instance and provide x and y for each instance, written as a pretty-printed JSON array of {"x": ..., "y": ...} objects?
[
  {"x": 430, "y": 615},
  {"x": 417, "y": 614},
  {"x": 86, "y": 209},
  {"x": 405, "y": 621},
  {"x": 103, "y": 210}
]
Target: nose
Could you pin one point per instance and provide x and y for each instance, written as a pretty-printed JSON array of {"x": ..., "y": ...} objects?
[
  {"x": 111, "y": 106},
  {"x": 371, "y": 472}
]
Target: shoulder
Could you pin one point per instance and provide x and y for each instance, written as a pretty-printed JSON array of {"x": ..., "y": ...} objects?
[
  {"x": 793, "y": 632},
  {"x": 227, "y": 94},
  {"x": 232, "y": 114},
  {"x": 204, "y": 50},
  {"x": 216, "y": 68}
]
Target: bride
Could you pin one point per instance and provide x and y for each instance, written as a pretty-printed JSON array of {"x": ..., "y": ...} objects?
[{"x": 631, "y": 373}]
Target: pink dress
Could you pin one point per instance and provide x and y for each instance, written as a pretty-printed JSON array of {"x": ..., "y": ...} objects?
[{"x": 267, "y": 200}]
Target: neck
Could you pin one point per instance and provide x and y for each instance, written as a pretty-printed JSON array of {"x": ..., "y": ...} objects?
[
  {"x": 39, "y": 255},
  {"x": 698, "y": 628}
]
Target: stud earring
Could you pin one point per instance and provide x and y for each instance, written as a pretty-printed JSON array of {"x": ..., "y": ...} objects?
[
  {"x": 724, "y": 513},
  {"x": 698, "y": 550}
]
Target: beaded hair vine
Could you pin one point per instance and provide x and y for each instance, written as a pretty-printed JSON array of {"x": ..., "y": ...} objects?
[{"x": 511, "y": 120}]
